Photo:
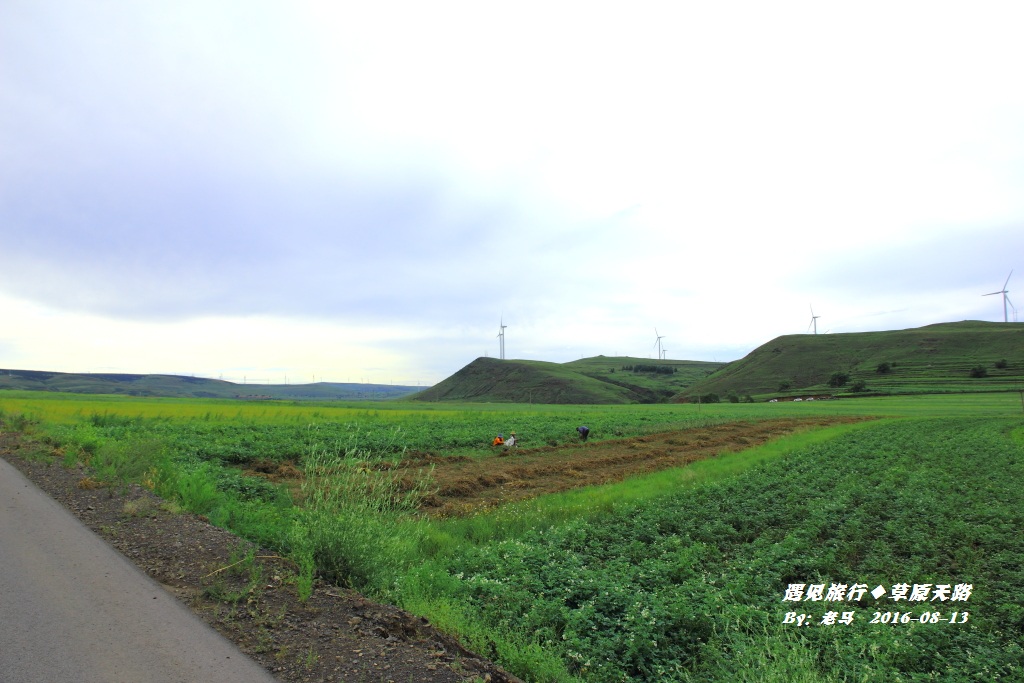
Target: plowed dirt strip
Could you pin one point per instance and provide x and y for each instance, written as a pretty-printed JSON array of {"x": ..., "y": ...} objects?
[{"x": 466, "y": 485}]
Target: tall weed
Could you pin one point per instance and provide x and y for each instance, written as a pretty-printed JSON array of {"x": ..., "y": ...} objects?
[
  {"x": 127, "y": 461},
  {"x": 357, "y": 525}
]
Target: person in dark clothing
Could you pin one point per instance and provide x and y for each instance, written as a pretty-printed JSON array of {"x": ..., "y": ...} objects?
[{"x": 584, "y": 432}]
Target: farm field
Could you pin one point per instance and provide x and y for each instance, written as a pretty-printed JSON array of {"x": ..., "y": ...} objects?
[
  {"x": 463, "y": 485},
  {"x": 674, "y": 560}
]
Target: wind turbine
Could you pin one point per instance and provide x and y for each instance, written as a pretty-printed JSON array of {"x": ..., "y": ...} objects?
[
  {"x": 1006, "y": 299},
  {"x": 657, "y": 342},
  {"x": 814, "y": 321},
  {"x": 501, "y": 336}
]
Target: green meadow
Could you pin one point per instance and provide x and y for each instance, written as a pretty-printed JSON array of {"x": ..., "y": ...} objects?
[{"x": 680, "y": 575}]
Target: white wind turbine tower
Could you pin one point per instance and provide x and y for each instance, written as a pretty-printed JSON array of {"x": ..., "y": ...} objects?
[
  {"x": 657, "y": 342},
  {"x": 814, "y": 321},
  {"x": 1006, "y": 299},
  {"x": 501, "y": 337}
]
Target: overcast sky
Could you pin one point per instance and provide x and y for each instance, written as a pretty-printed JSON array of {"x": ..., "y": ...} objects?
[{"x": 363, "y": 191}]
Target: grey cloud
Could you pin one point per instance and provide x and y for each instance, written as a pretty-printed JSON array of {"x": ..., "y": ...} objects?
[{"x": 159, "y": 246}]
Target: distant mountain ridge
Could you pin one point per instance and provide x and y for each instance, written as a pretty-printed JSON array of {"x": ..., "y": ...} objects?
[{"x": 183, "y": 386}]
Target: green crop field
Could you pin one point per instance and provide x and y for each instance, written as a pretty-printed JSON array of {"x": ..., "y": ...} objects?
[{"x": 756, "y": 565}]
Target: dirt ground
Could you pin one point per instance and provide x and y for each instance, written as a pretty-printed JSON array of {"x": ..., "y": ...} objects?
[
  {"x": 464, "y": 485},
  {"x": 338, "y": 635}
]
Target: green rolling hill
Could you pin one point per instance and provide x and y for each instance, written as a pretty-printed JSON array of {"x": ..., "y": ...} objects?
[
  {"x": 600, "y": 379},
  {"x": 179, "y": 386},
  {"x": 958, "y": 357},
  {"x": 943, "y": 358}
]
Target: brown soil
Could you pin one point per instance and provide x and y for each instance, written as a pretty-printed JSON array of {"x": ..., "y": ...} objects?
[
  {"x": 336, "y": 635},
  {"x": 464, "y": 484}
]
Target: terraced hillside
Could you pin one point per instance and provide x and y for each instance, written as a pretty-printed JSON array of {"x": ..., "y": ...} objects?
[{"x": 944, "y": 358}]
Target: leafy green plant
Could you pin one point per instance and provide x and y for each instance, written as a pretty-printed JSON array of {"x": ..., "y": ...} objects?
[{"x": 689, "y": 589}]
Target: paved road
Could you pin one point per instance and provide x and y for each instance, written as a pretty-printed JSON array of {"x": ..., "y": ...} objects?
[{"x": 73, "y": 609}]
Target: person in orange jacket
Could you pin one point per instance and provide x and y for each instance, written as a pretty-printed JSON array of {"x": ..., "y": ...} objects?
[{"x": 498, "y": 440}]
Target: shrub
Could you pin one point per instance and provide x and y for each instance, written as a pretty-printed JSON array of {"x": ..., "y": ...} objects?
[
  {"x": 883, "y": 368},
  {"x": 979, "y": 371},
  {"x": 733, "y": 398},
  {"x": 838, "y": 379},
  {"x": 710, "y": 398},
  {"x": 785, "y": 386},
  {"x": 1001, "y": 364},
  {"x": 130, "y": 460},
  {"x": 859, "y": 385}
]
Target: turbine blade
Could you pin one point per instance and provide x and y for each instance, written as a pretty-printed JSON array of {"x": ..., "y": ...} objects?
[
  {"x": 991, "y": 293},
  {"x": 1008, "y": 279}
]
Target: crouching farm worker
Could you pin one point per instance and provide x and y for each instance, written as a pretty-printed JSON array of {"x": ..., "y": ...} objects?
[{"x": 583, "y": 431}]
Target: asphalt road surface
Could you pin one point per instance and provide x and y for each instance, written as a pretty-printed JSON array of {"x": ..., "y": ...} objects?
[{"x": 73, "y": 609}]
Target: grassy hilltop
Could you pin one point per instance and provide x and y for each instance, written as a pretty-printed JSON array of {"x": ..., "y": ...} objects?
[
  {"x": 943, "y": 358},
  {"x": 602, "y": 379}
]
